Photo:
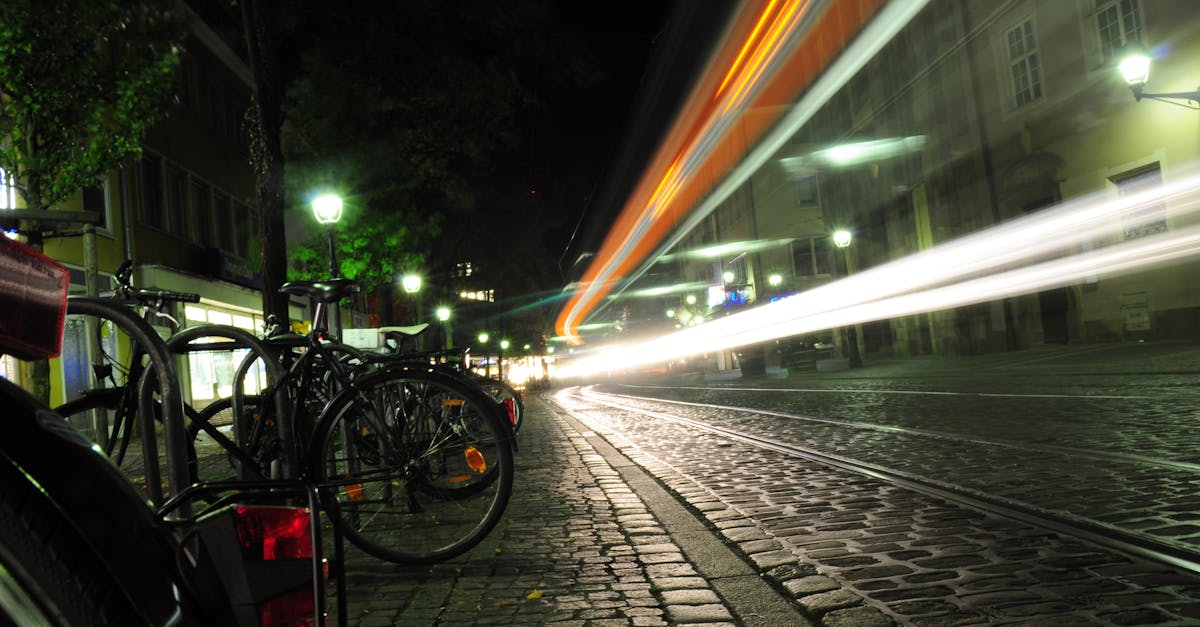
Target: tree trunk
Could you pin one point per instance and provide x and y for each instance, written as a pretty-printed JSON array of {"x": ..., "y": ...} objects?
[{"x": 266, "y": 152}]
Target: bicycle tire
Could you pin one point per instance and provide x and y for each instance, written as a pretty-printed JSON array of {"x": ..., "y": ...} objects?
[
  {"x": 416, "y": 466},
  {"x": 249, "y": 457},
  {"x": 131, "y": 462},
  {"x": 51, "y": 561}
]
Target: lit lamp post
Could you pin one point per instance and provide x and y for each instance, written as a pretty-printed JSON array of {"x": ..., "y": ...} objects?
[
  {"x": 483, "y": 338},
  {"x": 412, "y": 286},
  {"x": 328, "y": 210},
  {"x": 1135, "y": 68},
  {"x": 500, "y": 362},
  {"x": 842, "y": 239},
  {"x": 443, "y": 316}
]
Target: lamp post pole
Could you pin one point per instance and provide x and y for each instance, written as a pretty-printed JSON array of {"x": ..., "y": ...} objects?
[
  {"x": 412, "y": 285},
  {"x": 443, "y": 314},
  {"x": 328, "y": 210},
  {"x": 841, "y": 239}
]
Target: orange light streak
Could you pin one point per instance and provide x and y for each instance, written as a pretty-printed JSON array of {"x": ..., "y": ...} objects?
[{"x": 666, "y": 193}]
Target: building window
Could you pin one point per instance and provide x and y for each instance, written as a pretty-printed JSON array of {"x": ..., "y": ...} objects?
[
  {"x": 487, "y": 296},
  {"x": 1024, "y": 65},
  {"x": 150, "y": 175},
  {"x": 810, "y": 256},
  {"x": 1119, "y": 23},
  {"x": 202, "y": 212},
  {"x": 224, "y": 222},
  {"x": 241, "y": 225},
  {"x": 96, "y": 199},
  {"x": 1147, "y": 220},
  {"x": 177, "y": 208},
  {"x": 807, "y": 194}
]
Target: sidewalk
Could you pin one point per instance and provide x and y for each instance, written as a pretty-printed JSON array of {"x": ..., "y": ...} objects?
[{"x": 588, "y": 539}]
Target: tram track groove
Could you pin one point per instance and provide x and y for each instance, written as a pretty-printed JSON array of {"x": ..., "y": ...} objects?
[
  {"x": 930, "y": 433},
  {"x": 1096, "y": 532}
]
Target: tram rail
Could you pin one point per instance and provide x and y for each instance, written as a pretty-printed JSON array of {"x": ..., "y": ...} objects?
[{"x": 1131, "y": 542}]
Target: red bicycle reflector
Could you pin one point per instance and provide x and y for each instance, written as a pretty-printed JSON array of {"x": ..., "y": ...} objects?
[
  {"x": 274, "y": 533},
  {"x": 290, "y": 609},
  {"x": 510, "y": 405}
]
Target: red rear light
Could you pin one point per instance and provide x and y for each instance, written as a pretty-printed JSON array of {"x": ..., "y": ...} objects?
[
  {"x": 274, "y": 533},
  {"x": 512, "y": 413}
]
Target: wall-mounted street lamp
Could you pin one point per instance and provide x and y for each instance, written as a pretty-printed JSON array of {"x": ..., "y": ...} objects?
[
  {"x": 327, "y": 209},
  {"x": 775, "y": 280},
  {"x": 842, "y": 238},
  {"x": 1135, "y": 68}
]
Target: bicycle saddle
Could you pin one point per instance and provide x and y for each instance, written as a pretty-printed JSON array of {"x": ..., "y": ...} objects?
[
  {"x": 327, "y": 291},
  {"x": 404, "y": 331}
]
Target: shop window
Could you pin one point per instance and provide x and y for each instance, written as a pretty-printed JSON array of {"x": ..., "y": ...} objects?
[
  {"x": 8, "y": 367},
  {"x": 210, "y": 374},
  {"x": 1146, "y": 220},
  {"x": 8, "y": 192}
]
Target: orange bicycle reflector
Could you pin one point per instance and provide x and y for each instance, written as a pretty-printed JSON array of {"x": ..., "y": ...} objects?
[
  {"x": 453, "y": 402},
  {"x": 475, "y": 459},
  {"x": 355, "y": 492}
]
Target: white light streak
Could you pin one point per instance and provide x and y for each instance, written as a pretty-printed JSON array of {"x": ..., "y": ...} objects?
[{"x": 1027, "y": 255}]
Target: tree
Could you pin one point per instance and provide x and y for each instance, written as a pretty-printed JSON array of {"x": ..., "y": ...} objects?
[
  {"x": 406, "y": 109},
  {"x": 81, "y": 82},
  {"x": 265, "y": 121}
]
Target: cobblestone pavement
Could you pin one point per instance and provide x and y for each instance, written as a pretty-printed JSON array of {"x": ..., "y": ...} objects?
[
  {"x": 576, "y": 547},
  {"x": 1027, "y": 463},
  {"x": 858, "y": 551}
]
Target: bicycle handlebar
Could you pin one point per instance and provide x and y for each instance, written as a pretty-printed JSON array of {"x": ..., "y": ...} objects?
[{"x": 152, "y": 297}]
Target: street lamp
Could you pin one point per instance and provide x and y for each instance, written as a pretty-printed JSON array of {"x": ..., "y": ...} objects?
[
  {"x": 443, "y": 316},
  {"x": 484, "y": 337},
  {"x": 327, "y": 208},
  {"x": 842, "y": 239},
  {"x": 1135, "y": 68},
  {"x": 775, "y": 280}
]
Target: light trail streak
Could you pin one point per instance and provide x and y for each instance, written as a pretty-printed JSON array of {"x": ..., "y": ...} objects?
[
  {"x": 707, "y": 139},
  {"x": 1007, "y": 260}
]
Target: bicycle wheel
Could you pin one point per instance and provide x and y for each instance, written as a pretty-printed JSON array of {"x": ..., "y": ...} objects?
[
  {"x": 417, "y": 465},
  {"x": 52, "y": 565},
  {"x": 110, "y": 406},
  {"x": 219, "y": 455}
]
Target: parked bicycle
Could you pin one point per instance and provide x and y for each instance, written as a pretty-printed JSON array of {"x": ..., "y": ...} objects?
[{"x": 78, "y": 544}]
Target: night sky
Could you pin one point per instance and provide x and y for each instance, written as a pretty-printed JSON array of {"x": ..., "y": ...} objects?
[{"x": 579, "y": 137}]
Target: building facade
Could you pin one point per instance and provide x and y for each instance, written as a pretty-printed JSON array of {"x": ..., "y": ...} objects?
[{"x": 973, "y": 115}]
